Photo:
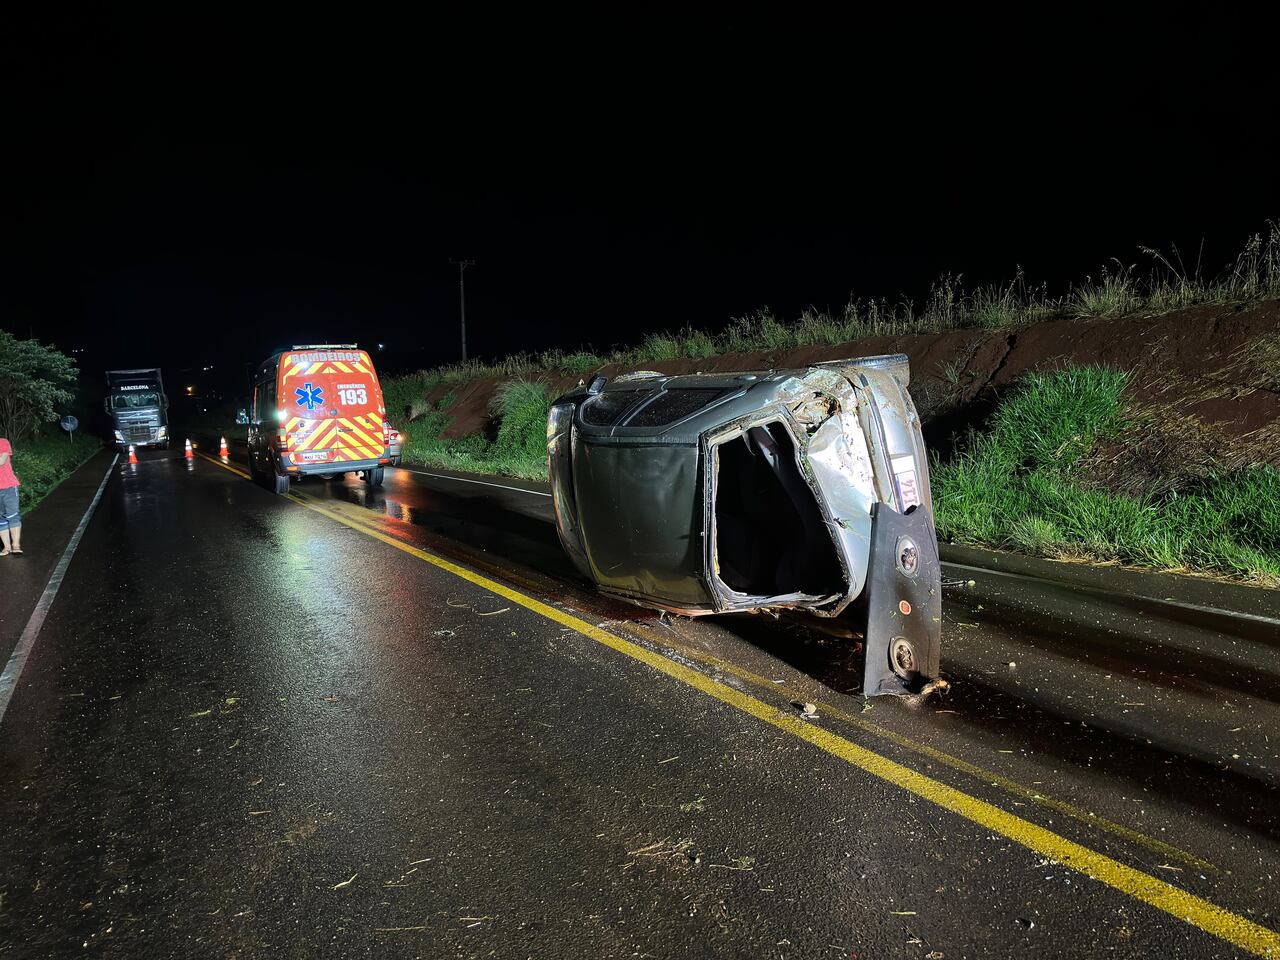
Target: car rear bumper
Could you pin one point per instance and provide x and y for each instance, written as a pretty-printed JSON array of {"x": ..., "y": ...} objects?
[{"x": 335, "y": 466}]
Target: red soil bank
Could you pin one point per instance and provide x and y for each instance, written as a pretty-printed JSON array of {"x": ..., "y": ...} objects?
[{"x": 1218, "y": 364}]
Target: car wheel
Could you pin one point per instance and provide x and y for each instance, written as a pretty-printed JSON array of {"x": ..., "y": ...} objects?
[
  {"x": 373, "y": 477},
  {"x": 281, "y": 483}
]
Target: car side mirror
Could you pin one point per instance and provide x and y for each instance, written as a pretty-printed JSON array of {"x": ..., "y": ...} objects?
[
  {"x": 597, "y": 384},
  {"x": 106, "y": 404}
]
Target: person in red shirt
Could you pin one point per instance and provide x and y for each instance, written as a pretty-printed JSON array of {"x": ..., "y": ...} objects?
[{"x": 10, "y": 518}]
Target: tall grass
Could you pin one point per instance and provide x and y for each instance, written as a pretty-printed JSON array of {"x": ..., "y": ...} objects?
[
  {"x": 1165, "y": 284},
  {"x": 1018, "y": 485},
  {"x": 518, "y": 450},
  {"x": 1022, "y": 484}
]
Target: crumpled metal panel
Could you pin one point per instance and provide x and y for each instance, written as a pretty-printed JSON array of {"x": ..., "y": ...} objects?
[
  {"x": 842, "y": 468},
  {"x": 892, "y": 428}
]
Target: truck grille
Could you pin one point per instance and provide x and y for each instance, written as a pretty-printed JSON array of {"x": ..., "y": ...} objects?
[{"x": 141, "y": 434}]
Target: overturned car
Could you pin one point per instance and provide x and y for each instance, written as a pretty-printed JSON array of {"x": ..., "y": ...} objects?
[{"x": 784, "y": 489}]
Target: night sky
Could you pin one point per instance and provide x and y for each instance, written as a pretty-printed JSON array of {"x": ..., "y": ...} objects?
[{"x": 194, "y": 191}]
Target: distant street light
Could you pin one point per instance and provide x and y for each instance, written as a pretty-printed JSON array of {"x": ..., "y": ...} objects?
[{"x": 462, "y": 300}]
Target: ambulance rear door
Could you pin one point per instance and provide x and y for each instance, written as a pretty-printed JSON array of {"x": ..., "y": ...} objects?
[{"x": 333, "y": 407}]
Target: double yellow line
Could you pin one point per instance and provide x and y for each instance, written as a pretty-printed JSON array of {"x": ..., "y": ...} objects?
[{"x": 1177, "y": 903}]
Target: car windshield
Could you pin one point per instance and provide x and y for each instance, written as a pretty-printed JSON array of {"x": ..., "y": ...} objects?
[{"x": 134, "y": 399}]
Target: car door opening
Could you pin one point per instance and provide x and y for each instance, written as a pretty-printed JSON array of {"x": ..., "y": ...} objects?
[{"x": 770, "y": 536}]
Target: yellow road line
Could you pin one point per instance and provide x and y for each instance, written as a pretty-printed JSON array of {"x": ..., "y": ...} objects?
[
  {"x": 1091, "y": 820},
  {"x": 227, "y": 466},
  {"x": 963, "y": 766},
  {"x": 1180, "y": 904}
]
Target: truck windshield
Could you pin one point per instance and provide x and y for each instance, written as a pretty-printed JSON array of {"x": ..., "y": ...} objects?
[{"x": 134, "y": 399}]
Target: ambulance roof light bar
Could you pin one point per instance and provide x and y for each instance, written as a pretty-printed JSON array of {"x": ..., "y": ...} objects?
[{"x": 325, "y": 346}]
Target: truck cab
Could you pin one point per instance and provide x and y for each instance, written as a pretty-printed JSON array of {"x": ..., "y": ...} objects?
[
  {"x": 317, "y": 410},
  {"x": 138, "y": 408}
]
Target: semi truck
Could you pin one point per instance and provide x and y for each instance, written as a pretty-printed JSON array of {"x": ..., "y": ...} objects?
[{"x": 138, "y": 408}]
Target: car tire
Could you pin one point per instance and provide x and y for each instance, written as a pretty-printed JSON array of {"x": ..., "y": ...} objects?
[
  {"x": 281, "y": 483},
  {"x": 373, "y": 477}
]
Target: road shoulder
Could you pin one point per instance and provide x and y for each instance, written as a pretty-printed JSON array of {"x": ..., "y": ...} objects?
[{"x": 46, "y": 531}]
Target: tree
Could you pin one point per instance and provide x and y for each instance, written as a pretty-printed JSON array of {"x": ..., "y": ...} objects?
[{"x": 34, "y": 381}]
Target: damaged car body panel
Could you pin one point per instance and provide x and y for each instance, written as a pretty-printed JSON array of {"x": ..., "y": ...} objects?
[{"x": 796, "y": 489}]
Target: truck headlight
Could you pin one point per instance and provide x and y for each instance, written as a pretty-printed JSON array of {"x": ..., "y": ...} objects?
[
  {"x": 164, "y": 432},
  {"x": 119, "y": 435}
]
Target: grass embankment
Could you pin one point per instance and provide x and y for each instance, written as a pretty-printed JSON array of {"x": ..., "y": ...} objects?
[
  {"x": 1033, "y": 481},
  {"x": 518, "y": 450},
  {"x": 1036, "y": 480},
  {"x": 1162, "y": 284},
  {"x": 44, "y": 462}
]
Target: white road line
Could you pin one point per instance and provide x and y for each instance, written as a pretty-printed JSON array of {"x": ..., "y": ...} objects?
[
  {"x": 18, "y": 660},
  {"x": 1103, "y": 592},
  {"x": 483, "y": 483}
]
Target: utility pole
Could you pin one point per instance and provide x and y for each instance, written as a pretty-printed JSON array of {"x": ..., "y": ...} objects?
[{"x": 462, "y": 300}]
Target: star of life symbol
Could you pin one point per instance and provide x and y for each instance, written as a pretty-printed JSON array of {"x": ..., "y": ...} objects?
[{"x": 309, "y": 396}]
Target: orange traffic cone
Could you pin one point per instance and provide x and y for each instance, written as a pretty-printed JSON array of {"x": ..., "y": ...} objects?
[
  {"x": 189, "y": 454},
  {"x": 222, "y": 450},
  {"x": 133, "y": 454}
]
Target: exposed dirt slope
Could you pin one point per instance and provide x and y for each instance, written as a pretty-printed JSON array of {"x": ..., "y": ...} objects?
[{"x": 1212, "y": 369}]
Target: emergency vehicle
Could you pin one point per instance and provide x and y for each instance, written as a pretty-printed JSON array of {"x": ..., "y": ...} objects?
[{"x": 317, "y": 410}]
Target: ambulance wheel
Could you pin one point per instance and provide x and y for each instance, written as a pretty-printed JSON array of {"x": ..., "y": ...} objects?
[
  {"x": 282, "y": 483},
  {"x": 373, "y": 477}
]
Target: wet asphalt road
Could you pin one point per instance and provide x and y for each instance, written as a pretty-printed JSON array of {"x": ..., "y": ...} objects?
[{"x": 250, "y": 730}]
